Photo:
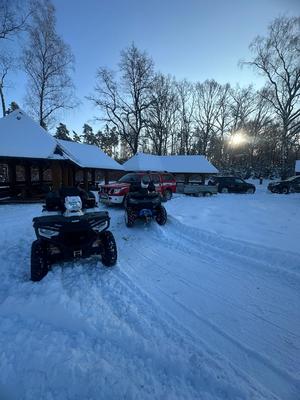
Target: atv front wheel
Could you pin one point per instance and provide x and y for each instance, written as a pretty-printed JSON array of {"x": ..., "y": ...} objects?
[
  {"x": 167, "y": 195},
  {"x": 161, "y": 216},
  {"x": 39, "y": 266},
  {"x": 129, "y": 217},
  {"x": 109, "y": 248}
]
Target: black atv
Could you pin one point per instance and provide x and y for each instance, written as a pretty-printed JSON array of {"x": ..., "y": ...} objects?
[
  {"x": 70, "y": 228},
  {"x": 144, "y": 203}
]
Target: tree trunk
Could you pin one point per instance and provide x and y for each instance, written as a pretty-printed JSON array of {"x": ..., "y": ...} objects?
[
  {"x": 284, "y": 152},
  {"x": 2, "y": 101}
]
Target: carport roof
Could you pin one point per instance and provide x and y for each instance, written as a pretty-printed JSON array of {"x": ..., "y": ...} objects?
[{"x": 177, "y": 164}]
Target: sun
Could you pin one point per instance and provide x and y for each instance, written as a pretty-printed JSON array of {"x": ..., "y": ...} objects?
[{"x": 237, "y": 139}]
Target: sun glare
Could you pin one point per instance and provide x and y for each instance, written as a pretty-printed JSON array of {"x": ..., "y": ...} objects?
[{"x": 237, "y": 139}]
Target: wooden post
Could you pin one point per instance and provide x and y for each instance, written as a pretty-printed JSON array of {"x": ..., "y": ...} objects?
[
  {"x": 71, "y": 175},
  {"x": 56, "y": 175},
  {"x": 93, "y": 177},
  {"x": 41, "y": 174},
  {"x": 27, "y": 179},
  {"x": 65, "y": 174},
  {"x": 85, "y": 179},
  {"x": 12, "y": 176},
  {"x": 186, "y": 178},
  {"x": 106, "y": 177}
]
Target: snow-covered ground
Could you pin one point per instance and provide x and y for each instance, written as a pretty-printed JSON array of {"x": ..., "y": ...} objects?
[{"x": 206, "y": 307}]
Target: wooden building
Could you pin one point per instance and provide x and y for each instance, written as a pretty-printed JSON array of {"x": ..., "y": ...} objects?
[{"x": 32, "y": 160}]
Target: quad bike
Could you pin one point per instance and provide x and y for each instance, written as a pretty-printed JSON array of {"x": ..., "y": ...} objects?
[
  {"x": 144, "y": 204},
  {"x": 70, "y": 227}
]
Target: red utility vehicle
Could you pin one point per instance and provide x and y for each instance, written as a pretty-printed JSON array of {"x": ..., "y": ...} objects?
[{"x": 115, "y": 193}]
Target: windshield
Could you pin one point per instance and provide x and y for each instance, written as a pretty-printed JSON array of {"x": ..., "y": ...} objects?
[{"x": 130, "y": 178}]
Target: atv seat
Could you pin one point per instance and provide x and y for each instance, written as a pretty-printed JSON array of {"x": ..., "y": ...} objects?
[{"x": 55, "y": 201}]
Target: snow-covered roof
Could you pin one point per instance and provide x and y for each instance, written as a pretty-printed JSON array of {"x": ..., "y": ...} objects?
[
  {"x": 297, "y": 166},
  {"x": 144, "y": 162},
  {"x": 179, "y": 164},
  {"x": 20, "y": 136},
  {"x": 88, "y": 156}
]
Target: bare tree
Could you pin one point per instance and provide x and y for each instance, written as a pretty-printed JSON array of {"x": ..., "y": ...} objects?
[
  {"x": 222, "y": 124},
  {"x": 124, "y": 103},
  {"x": 257, "y": 126},
  {"x": 242, "y": 106},
  {"x": 207, "y": 110},
  {"x": 186, "y": 100},
  {"x": 6, "y": 64},
  {"x": 160, "y": 115},
  {"x": 12, "y": 18},
  {"x": 277, "y": 58},
  {"x": 47, "y": 60}
]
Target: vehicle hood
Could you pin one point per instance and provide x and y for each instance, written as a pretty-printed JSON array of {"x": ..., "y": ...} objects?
[
  {"x": 116, "y": 185},
  {"x": 278, "y": 183}
]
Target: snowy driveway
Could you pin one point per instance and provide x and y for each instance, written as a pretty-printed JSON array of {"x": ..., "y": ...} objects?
[{"x": 206, "y": 307}]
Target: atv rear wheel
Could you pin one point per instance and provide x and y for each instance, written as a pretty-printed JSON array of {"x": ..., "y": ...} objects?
[
  {"x": 109, "y": 248},
  {"x": 161, "y": 217},
  {"x": 129, "y": 217},
  {"x": 39, "y": 265}
]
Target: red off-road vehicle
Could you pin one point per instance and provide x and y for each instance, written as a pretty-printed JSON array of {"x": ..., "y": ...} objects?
[{"x": 115, "y": 193}]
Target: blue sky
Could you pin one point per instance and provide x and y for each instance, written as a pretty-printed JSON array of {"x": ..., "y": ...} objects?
[{"x": 190, "y": 39}]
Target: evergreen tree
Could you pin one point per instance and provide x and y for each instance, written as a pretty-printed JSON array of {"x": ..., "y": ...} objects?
[
  {"x": 108, "y": 140},
  {"x": 62, "y": 132},
  {"x": 76, "y": 137},
  {"x": 12, "y": 107},
  {"x": 88, "y": 135}
]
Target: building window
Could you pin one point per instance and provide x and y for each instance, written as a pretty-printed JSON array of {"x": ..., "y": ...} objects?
[
  {"x": 35, "y": 174},
  {"x": 3, "y": 173},
  {"x": 47, "y": 175},
  {"x": 79, "y": 176},
  {"x": 20, "y": 173}
]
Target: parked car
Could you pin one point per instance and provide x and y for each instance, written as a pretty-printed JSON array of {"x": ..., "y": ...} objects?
[
  {"x": 286, "y": 186},
  {"x": 232, "y": 184},
  {"x": 115, "y": 193}
]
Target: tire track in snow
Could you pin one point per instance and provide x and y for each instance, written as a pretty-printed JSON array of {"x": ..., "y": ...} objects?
[
  {"x": 277, "y": 374},
  {"x": 273, "y": 260},
  {"x": 261, "y": 367}
]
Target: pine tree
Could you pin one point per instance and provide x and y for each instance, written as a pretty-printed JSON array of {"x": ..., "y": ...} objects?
[
  {"x": 76, "y": 137},
  {"x": 12, "y": 107},
  {"x": 108, "y": 140},
  {"x": 62, "y": 133},
  {"x": 88, "y": 135}
]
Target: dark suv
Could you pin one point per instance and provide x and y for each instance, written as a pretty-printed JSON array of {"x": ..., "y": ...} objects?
[
  {"x": 286, "y": 186},
  {"x": 231, "y": 184}
]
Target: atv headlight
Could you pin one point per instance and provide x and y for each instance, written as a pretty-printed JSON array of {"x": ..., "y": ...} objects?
[
  {"x": 48, "y": 233},
  {"x": 100, "y": 226},
  {"x": 117, "y": 191}
]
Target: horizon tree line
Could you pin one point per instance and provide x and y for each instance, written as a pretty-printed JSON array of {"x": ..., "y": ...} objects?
[{"x": 144, "y": 110}]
